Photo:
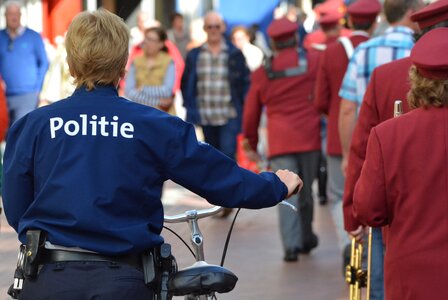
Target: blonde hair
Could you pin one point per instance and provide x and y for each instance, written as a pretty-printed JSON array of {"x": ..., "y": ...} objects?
[
  {"x": 426, "y": 92},
  {"x": 97, "y": 48}
]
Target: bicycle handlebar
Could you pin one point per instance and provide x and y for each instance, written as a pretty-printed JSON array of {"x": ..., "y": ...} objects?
[{"x": 193, "y": 214}]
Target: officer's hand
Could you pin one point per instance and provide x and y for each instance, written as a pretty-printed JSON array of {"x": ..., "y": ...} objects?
[{"x": 291, "y": 180}]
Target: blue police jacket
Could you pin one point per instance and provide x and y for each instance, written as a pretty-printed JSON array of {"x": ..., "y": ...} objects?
[{"x": 89, "y": 171}]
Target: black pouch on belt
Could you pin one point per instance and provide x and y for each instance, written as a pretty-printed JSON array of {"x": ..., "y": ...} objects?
[{"x": 35, "y": 242}]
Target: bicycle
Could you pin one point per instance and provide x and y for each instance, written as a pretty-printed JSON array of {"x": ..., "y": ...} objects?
[{"x": 200, "y": 281}]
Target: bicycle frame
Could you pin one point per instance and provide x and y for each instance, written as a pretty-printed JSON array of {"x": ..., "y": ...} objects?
[
  {"x": 196, "y": 238},
  {"x": 192, "y": 217}
]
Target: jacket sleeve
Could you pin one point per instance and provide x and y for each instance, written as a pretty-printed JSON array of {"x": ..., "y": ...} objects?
[
  {"x": 185, "y": 84},
  {"x": 367, "y": 119},
  {"x": 252, "y": 112},
  {"x": 322, "y": 93},
  {"x": 18, "y": 174},
  {"x": 188, "y": 87},
  {"x": 42, "y": 62},
  {"x": 207, "y": 172},
  {"x": 369, "y": 202}
]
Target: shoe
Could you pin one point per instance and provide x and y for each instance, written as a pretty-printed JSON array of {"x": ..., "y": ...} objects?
[
  {"x": 323, "y": 200},
  {"x": 291, "y": 255},
  {"x": 306, "y": 249}
]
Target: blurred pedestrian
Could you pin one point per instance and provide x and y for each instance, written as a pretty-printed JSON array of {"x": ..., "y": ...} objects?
[
  {"x": 240, "y": 37},
  {"x": 174, "y": 53},
  {"x": 214, "y": 85},
  {"x": 4, "y": 124},
  {"x": 330, "y": 30},
  {"x": 284, "y": 86},
  {"x": 178, "y": 34},
  {"x": 58, "y": 83},
  {"x": 87, "y": 172},
  {"x": 405, "y": 164},
  {"x": 362, "y": 16},
  {"x": 23, "y": 63},
  {"x": 257, "y": 38},
  {"x": 138, "y": 32},
  {"x": 151, "y": 77}
]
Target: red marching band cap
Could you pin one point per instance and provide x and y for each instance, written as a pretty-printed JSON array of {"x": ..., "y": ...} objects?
[
  {"x": 432, "y": 14},
  {"x": 364, "y": 11},
  {"x": 330, "y": 19},
  {"x": 429, "y": 54},
  {"x": 282, "y": 29}
]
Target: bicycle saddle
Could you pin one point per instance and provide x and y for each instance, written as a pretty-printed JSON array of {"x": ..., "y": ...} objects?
[{"x": 202, "y": 279}]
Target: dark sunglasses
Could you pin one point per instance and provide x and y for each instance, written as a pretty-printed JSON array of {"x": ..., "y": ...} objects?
[{"x": 209, "y": 27}]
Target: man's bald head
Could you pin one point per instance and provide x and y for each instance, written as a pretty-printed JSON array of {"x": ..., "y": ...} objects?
[
  {"x": 13, "y": 14},
  {"x": 214, "y": 27}
]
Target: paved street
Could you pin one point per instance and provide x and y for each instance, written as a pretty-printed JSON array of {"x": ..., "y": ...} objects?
[{"x": 254, "y": 254}]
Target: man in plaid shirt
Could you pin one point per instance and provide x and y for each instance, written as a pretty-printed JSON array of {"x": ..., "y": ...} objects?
[{"x": 214, "y": 84}]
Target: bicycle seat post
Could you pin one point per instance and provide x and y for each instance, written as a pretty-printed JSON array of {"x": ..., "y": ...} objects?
[{"x": 196, "y": 235}]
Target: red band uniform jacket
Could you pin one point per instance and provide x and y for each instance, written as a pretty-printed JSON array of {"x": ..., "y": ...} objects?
[
  {"x": 332, "y": 67},
  {"x": 389, "y": 82},
  {"x": 293, "y": 121},
  {"x": 404, "y": 184}
]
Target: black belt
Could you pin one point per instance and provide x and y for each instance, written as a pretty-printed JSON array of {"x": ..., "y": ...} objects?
[{"x": 52, "y": 256}]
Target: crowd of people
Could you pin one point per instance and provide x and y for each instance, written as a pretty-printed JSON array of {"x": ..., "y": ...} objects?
[{"x": 318, "y": 95}]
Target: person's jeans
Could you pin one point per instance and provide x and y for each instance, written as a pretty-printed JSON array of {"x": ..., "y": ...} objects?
[
  {"x": 223, "y": 137},
  {"x": 20, "y": 105},
  {"x": 377, "y": 270},
  {"x": 335, "y": 190}
]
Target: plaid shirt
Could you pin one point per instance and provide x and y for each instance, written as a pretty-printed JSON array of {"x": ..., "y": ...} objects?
[
  {"x": 213, "y": 88},
  {"x": 395, "y": 43}
]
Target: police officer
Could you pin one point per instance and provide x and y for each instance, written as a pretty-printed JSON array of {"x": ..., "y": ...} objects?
[
  {"x": 88, "y": 171},
  {"x": 285, "y": 85},
  {"x": 403, "y": 182}
]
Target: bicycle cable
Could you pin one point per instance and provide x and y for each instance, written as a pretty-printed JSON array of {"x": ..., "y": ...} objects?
[
  {"x": 183, "y": 241},
  {"x": 224, "y": 252},
  {"x": 226, "y": 244}
]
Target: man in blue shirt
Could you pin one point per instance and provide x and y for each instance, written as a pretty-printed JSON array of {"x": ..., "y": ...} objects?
[
  {"x": 89, "y": 170},
  {"x": 23, "y": 63}
]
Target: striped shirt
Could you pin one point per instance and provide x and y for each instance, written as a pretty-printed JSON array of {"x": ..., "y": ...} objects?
[
  {"x": 213, "y": 87},
  {"x": 395, "y": 43},
  {"x": 150, "y": 95}
]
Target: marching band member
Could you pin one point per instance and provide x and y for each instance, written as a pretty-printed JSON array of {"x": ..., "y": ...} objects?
[{"x": 403, "y": 182}]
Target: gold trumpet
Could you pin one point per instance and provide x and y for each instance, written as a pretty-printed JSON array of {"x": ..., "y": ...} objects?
[{"x": 355, "y": 275}]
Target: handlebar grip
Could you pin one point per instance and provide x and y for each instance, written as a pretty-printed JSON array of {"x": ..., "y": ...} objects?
[{"x": 193, "y": 214}]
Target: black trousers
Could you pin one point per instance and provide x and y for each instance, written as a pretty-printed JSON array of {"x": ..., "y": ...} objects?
[{"x": 87, "y": 281}]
